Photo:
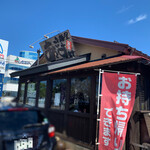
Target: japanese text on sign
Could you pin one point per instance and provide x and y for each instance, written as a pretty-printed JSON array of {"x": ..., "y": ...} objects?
[
  {"x": 116, "y": 106},
  {"x": 58, "y": 47}
]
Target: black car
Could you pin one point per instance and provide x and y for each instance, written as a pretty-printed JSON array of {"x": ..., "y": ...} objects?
[{"x": 24, "y": 128}]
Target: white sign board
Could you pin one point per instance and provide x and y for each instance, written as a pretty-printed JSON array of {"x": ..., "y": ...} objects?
[
  {"x": 3, "y": 54},
  {"x": 57, "y": 99},
  {"x": 3, "y": 49}
]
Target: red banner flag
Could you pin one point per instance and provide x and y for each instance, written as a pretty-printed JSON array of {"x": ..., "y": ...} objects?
[{"x": 117, "y": 101}]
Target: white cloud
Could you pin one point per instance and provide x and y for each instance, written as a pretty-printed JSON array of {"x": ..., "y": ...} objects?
[
  {"x": 124, "y": 9},
  {"x": 137, "y": 19},
  {"x": 131, "y": 21},
  {"x": 141, "y": 17}
]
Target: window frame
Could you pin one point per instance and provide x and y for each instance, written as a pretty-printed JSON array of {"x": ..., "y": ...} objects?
[
  {"x": 51, "y": 91},
  {"x": 20, "y": 92},
  {"x": 81, "y": 76},
  {"x": 36, "y": 83}
]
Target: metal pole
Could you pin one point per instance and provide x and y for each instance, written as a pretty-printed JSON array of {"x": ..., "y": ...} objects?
[
  {"x": 99, "y": 83},
  {"x": 98, "y": 111},
  {"x": 120, "y": 72},
  {"x": 38, "y": 52}
]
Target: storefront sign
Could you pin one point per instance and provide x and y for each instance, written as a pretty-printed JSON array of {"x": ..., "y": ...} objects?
[
  {"x": 3, "y": 49},
  {"x": 3, "y": 54},
  {"x": 117, "y": 101},
  {"x": 58, "y": 47},
  {"x": 17, "y": 60}
]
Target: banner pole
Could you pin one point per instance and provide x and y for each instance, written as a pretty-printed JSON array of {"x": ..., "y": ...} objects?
[
  {"x": 98, "y": 109},
  {"x": 121, "y": 72},
  {"x": 99, "y": 83}
]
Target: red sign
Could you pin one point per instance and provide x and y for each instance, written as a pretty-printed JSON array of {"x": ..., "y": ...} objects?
[
  {"x": 117, "y": 101},
  {"x": 2, "y": 56},
  {"x": 68, "y": 45}
]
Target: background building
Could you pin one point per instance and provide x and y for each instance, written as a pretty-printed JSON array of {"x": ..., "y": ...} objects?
[
  {"x": 14, "y": 63},
  {"x": 28, "y": 54}
]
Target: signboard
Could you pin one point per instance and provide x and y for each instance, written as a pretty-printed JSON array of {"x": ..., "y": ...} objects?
[
  {"x": 117, "y": 101},
  {"x": 17, "y": 60},
  {"x": 3, "y": 49},
  {"x": 3, "y": 54},
  {"x": 58, "y": 47}
]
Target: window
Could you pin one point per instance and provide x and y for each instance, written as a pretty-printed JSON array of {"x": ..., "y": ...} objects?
[
  {"x": 10, "y": 93},
  {"x": 22, "y": 54},
  {"x": 11, "y": 80},
  {"x": 80, "y": 95},
  {"x": 42, "y": 94},
  {"x": 59, "y": 94},
  {"x": 31, "y": 94},
  {"x": 22, "y": 91},
  {"x": 32, "y": 54},
  {"x": 14, "y": 67}
]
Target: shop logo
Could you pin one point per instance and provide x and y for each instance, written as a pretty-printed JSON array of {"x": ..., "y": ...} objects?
[{"x": 17, "y": 60}]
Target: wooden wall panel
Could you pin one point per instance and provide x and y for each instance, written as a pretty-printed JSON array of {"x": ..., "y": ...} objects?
[{"x": 78, "y": 127}]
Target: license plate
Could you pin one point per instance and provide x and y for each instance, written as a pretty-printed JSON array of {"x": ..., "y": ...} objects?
[{"x": 23, "y": 144}]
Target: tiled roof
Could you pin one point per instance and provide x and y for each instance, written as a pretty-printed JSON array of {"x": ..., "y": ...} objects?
[
  {"x": 125, "y": 48},
  {"x": 100, "y": 63},
  {"x": 120, "y": 47},
  {"x": 111, "y": 45}
]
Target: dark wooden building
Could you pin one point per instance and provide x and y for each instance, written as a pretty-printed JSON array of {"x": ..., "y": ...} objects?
[{"x": 66, "y": 90}]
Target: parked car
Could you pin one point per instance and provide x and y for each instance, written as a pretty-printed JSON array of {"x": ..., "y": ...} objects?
[{"x": 25, "y": 128}]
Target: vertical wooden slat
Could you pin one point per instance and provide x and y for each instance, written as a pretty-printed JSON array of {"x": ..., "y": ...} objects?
[
  {"x": 47, "y": 95},
  {"x": 37, "y": 86},
  {"x": 92, "y": 106},
  {"x": 147, "y": 93},
  {"x": 78, "y": 127},
  {"x": 67, "y": 105},
  {"x": 19, "y": 91},
  {"x": 141, "y": 93},
  {"x": 25, "y": 94}
]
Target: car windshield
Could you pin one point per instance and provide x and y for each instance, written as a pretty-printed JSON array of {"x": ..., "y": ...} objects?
[{"x": 15, "y": 120}]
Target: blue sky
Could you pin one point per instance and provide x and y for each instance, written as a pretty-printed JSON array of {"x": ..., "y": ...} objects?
[{"x": 23, "y": 22}]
